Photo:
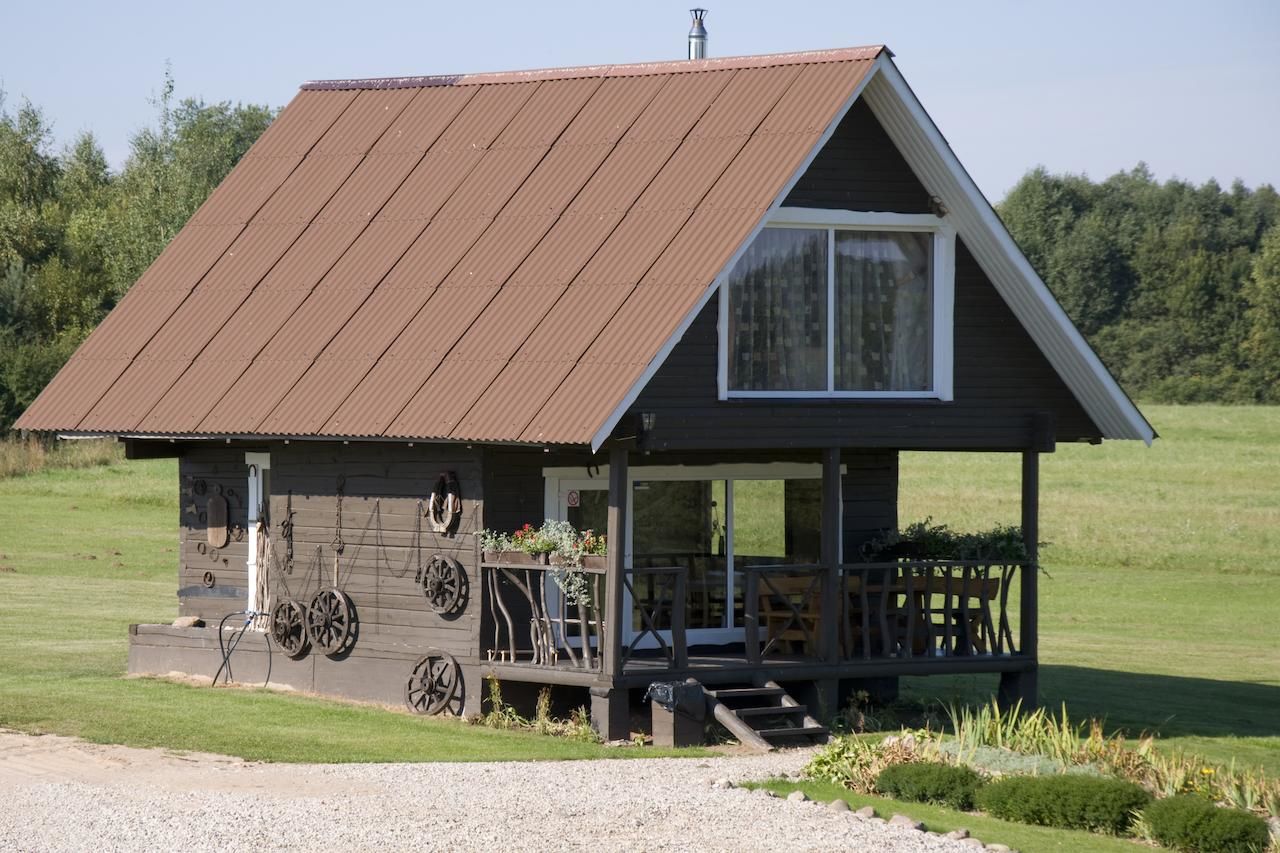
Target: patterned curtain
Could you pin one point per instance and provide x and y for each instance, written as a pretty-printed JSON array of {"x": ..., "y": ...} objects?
[
  {"x": 778, "y": 313},
  {"x": 883, "y": 311}
]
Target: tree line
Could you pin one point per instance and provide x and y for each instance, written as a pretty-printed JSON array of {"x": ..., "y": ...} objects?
[{"x": 1177, "y": 286}]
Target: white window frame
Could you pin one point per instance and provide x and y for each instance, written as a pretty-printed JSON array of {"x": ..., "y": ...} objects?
[
  {"x": 254, "y": 501},
  {"x": 943, "y": 284}
]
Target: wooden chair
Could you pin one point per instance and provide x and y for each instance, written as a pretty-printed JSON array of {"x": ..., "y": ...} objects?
[{"x": 790, "y": 612}]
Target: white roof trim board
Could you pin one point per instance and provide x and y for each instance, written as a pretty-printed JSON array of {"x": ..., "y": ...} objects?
[{"x": 939, "y": 170}]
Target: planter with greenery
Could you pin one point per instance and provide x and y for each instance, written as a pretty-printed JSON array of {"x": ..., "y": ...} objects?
[{"x": 556, "y": 544}]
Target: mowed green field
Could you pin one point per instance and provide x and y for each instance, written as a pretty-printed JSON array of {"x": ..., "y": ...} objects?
[{"x": 1161, "y": 608}]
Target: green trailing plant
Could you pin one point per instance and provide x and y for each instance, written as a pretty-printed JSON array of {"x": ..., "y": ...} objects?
[
  {"x": 1191, "y": 823},
  {"x": 1067, "y": 802},
  {"x": 924, "y": 540},
  {"x": 930, "y": 782}
]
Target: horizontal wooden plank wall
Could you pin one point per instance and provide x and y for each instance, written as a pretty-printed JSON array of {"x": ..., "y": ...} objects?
[
  {"x": 1001, "y": 377},
  {"x": 210, "y": 468},
  {"x": 382, "y": 485}
]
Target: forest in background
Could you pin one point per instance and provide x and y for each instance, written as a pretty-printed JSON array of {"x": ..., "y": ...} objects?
[{"x": 1176, "y": 286}]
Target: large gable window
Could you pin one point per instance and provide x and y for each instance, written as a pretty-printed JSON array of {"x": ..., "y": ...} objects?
[{"x": 839, "y": 304}]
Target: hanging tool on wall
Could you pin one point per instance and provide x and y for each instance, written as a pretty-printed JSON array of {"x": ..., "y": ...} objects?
[
  {"x": 337, "y": 543},
  {"x": 286, "y": 532}
]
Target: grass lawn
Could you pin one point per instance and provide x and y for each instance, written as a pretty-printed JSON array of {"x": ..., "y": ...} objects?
[
  {"x": 1162, "y": 602},
  {"x": 83, "y": 553},
  {"x": 1029, "y": 839}
]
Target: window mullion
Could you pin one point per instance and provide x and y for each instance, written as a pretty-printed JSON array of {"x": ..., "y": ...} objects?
[{"x": 831, "y": 310}]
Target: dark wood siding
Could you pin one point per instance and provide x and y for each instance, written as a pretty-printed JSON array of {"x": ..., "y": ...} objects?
[
  {"x": 382, "y": 485},
  {"x": 1001, "y": 378},
  {"x": 860, "y": 169}
]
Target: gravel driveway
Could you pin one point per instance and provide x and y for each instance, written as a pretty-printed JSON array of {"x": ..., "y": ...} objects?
[{"x": 62, "y": 794}]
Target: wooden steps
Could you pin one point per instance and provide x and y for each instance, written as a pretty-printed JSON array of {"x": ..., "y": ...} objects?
[{"x": 764, "y": 716}]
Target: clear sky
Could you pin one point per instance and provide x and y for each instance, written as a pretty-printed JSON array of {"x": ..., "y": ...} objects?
[{"x": 1192, "y": 88}]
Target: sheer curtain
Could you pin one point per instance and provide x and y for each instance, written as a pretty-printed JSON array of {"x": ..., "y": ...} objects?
[
  {"x": 883, "y": 311},
  {"x": 778, "y": 313}
]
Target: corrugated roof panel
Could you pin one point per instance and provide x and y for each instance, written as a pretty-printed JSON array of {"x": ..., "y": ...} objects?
[
  {"x": 245, "y": 190},
  {"x": 498, "y": 252},
  {"x": 429, "y": 186},
  {"x": 628, "y": 335},
  {"x": 633, "y": 247},
  {"x": 251, "y": 256},
  {"x": 444, "y": 398},
  {"x": 546, "y": 114},
  {"x": 416, "y": 129},
  {"x": 744, "y": 102},
  {"x": 812, "y": 102},
  {"x": 573, "y": 323},
  {"x": 435, "y": 251},
  {"x": 187, "y": 258},
  {"x": 123, "y": 333},
  {"x": 73, "y": 392},
  {"x": 134, "y": 393},
  {"x": 511, "y": 401},
  {"x": 690, "y": 172},
  {"x": 369, "y": 187},
  {"x": 622, "y": 177},
  {"x": 558, "y": 177},
  {"x": 565, "y": 249},
  {"x": 703, "y": 247},
  {"x": 575, "y": 411},
  {"x": 306, "y": 191},
  {"x": 485, "y": 117},
  {"x": 301, "y": 123},
  {"x": 679, "y": 105},
  {"x": 493, "y": 181},
  {"x": 610, "y": 112},
  {"x": 362, "y": 122},
  {"x": 499, "y": 331}
]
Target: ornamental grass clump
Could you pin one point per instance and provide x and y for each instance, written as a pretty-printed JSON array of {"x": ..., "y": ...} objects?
[
  {"x": 1067, "y": 802},
  {"x": 931, "y": 782},
  {"x": 1195, "y": 825}
]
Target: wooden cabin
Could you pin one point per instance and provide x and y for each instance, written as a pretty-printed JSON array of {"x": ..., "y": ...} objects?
[{"x": 701, "y": 306}]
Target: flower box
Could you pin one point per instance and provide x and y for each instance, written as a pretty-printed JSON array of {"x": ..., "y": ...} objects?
[
  {"x": 589, "y": 561},
  {"x": 515, "y": 558}
]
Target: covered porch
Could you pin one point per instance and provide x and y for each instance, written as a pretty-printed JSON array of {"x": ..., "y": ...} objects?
[{"x": 833, "y": 618}]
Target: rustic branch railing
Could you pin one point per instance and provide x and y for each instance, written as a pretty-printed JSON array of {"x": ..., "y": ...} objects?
[
  {"x": 906, "y": 609},
  {"x": 517, "y": 594},
  {"x": 666, "y": 596}
]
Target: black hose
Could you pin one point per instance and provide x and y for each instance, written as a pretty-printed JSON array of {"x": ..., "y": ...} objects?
[{"x": 227, "y": 649}]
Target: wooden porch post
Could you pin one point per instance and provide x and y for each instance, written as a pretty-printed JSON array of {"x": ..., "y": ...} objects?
[
  {"x": 832, "y": 524},
  {"x": 610, "y": 706},
  {"x": 1031, "y": 539}
]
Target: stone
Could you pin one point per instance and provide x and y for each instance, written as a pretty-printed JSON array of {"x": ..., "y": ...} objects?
[
  {"x": 188, "y": 622},
  {"x": 958, "y": 834},
  {"x": 767, "y": 793},
  {"x": 974, "y": 843},
  {"x": 878, "y": 820},
  {"x": 903, "y": 820},
  {"x": 797, "y": 797},
  {"x": 998, "y": 848},
  {"x": 838, "y": 806},
  {"x": 723, "y": 784},
  {"x": 866, "y": 811}
]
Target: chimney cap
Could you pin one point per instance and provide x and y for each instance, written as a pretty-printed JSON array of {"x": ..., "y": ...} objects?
[{"x": 698, "y": 35}]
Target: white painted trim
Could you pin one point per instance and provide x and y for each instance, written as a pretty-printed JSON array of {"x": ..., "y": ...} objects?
[
  {"x": 254, "y": 499},
  {"x": 871, "y": 220},
  {"x": 922, "y": 145},
  {"x": 658, "y": 360},
  {"x": 931, "y": 394},
  {"x": 944, "y": 299}
]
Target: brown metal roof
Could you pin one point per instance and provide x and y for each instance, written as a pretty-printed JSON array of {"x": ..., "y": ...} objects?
[{"x": 490, "y": 257}]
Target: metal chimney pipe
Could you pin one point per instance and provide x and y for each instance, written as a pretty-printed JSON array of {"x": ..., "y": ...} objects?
[{"x": 698, "y": 35}]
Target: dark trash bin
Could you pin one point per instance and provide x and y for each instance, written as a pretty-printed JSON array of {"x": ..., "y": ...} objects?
[{"x": 679, "y": 709}]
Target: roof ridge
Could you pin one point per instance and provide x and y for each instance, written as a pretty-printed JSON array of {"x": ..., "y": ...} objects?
[{"x": 635, "y": 69}]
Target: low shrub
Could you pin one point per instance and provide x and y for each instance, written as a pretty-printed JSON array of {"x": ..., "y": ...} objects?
[
  {"x": 856, "y": 764},
  {"x": 1191, "y": 823},
  {"x": 930, "y": 782},
  {"x": 1067, "y": 802}
]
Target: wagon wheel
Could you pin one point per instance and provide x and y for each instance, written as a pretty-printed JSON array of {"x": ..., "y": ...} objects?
[
  {"x": 434, "y": 685},
  {"x": 289, "y": 628},
  {"x": 330, "y": 621},
  {"x": 442, "y": 583}
]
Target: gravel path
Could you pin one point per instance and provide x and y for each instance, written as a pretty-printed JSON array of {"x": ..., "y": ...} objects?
[{"x": 63, "y": 794}]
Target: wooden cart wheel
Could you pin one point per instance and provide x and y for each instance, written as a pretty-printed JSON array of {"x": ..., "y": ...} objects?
[
  {"x": 330, "y": 621},
  {"x": 289, "y": 628},
  {"x": 434, "y": 685},
  {"x": 442, "y": 583}
]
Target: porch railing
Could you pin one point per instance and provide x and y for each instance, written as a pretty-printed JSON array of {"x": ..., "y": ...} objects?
[
  {"x": 894, "y": 610},
  {"x": 533, "y": 621}
]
